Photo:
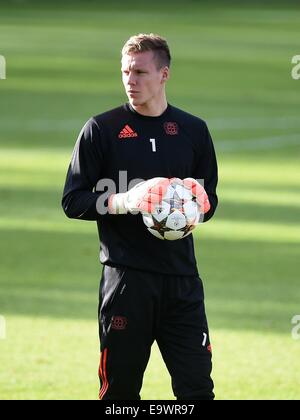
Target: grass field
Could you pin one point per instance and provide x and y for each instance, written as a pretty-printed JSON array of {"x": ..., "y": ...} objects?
[{"x": 232, "y": 66}]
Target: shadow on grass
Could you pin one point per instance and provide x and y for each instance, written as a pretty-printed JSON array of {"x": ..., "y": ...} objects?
[
  {"x": 49, "y": 274},
  {"x": 257, "y": 212},
  {"x": 248, "y": 285}
]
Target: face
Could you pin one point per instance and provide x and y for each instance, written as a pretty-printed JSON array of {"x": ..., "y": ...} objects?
[{"x": 143, "y": 82}]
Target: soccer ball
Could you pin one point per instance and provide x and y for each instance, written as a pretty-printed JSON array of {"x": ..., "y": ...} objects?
[{"x": 176, "y": 216}]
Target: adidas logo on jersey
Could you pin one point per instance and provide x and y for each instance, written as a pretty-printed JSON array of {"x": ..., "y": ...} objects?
[{"x": 127, "y": 132}]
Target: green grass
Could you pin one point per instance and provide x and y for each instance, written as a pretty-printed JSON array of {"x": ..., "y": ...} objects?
[{"x": 231, "y": 66}]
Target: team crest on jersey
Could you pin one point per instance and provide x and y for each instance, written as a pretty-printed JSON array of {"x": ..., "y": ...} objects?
[
  {"x": 118, "y": 322},
  {"x": 171, "y": 128}
]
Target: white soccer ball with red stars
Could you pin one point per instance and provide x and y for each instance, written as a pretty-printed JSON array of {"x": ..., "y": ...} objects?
[{"x": 177, "y": 214}]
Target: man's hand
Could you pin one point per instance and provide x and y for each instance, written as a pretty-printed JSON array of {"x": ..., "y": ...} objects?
[
  {"x": 143, "y": 197},
  {"x": 199, "y": 192}
]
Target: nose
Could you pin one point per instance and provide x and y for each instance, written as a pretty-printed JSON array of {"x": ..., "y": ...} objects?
[{"x": 131, "y": 79}]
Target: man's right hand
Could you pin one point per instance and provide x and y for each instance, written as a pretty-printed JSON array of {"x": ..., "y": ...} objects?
[{"x": 143, "y": 197}]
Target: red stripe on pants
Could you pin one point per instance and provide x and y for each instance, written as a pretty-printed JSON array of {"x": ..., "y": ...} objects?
[{"x": 102, "y": 374}]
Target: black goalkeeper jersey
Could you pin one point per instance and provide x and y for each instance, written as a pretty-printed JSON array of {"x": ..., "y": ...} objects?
[{"x": 123, "y": 143}]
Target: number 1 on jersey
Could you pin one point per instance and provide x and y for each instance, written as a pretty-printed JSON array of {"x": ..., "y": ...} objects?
[{"x": 152, "y": 141}]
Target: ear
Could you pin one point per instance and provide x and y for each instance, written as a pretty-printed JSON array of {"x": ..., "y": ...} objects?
[{"x": 165, "y": 74}]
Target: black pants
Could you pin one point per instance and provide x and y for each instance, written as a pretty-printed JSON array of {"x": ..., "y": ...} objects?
[{"x": 138, "y": 307}]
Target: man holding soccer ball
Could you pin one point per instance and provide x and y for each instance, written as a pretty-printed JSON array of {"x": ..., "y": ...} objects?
[{"x": 150, "y": 289}]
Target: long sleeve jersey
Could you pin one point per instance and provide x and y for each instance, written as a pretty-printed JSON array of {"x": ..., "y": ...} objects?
[{"x": 120, "y": 144}]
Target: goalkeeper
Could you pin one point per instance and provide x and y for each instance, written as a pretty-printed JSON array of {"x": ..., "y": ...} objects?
[{"x": 150, "y": 290}]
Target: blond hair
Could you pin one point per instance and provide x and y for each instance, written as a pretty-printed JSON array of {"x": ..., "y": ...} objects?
[{"x": 149, "y": 42}]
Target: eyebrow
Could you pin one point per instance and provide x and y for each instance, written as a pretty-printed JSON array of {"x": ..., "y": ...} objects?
[{"x": 132, "y": 68}]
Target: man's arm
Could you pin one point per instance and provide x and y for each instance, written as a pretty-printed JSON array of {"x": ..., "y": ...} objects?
[
  {"x": 79, "y": 199},
  {"x": 207, "y": 170}
]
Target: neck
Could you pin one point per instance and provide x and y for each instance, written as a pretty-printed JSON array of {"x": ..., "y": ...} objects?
[{"x": 152, "y": 109}]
